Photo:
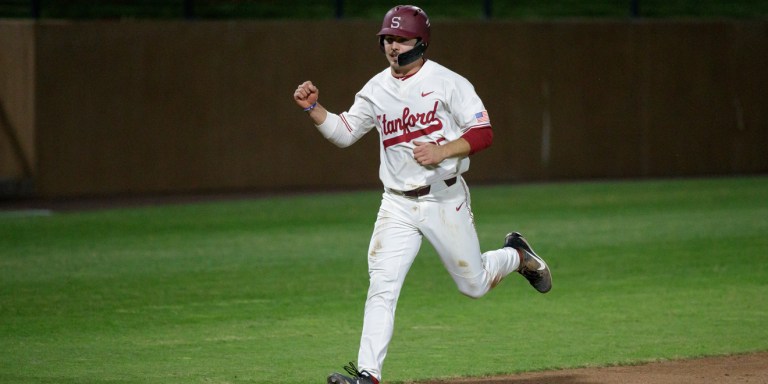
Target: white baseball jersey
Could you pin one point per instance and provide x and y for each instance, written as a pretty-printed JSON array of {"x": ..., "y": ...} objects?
[{"x": 433, "y": 105}]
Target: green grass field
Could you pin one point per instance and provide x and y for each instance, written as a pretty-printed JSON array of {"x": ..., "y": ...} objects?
[{"x": 272, "y": 290}]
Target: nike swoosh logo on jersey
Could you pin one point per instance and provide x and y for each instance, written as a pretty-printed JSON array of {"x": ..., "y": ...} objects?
[
  {"x": 459, "y": 207},
  {"x": 425, "y": 94}
]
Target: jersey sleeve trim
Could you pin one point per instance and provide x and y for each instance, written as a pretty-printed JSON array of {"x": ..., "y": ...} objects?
[{"x": 346, "y": 123}]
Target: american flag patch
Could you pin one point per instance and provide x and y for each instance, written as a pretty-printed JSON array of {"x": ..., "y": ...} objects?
[{"x": 482, "y": 117}]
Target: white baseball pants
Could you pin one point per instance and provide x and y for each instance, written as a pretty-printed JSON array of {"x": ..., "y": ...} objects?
[{"x": 445, "y": 218}]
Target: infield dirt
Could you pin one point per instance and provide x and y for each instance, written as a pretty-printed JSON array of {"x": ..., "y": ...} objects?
[{"x": 748, "y": 368}]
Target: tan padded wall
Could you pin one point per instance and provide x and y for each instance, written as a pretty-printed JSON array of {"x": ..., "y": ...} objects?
[
  {"x": 17, "y": 134},
  {"x": 125, "y": 107},
  {"x": 189, "y": 106}
]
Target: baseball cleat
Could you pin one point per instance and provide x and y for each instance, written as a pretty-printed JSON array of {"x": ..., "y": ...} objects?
[
  {"x": 358, "y": 377},
  {"x": 532, "y": 267}
]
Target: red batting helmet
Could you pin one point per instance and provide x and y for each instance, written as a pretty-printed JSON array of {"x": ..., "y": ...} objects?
[
  {"x": 406, "y": 21},
  {"x": 410, "y": 22}
]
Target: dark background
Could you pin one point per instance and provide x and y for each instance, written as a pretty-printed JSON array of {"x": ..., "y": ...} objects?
[{"x": 125, "y": 105}]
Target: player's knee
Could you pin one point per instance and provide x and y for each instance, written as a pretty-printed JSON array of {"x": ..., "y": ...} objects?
[{"x": 473, "y": 291}]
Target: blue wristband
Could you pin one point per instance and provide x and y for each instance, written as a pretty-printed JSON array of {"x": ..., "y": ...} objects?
[{"x": 311, "y": 107}]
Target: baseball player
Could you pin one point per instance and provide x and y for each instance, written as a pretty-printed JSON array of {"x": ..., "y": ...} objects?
[{"x": 429, "y": 120}]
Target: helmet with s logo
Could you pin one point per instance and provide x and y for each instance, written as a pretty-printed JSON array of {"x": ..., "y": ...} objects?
[{"x": 410, "y": 22}]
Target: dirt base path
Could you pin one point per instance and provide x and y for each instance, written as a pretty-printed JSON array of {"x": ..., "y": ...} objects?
[{"x": 750, "y": 368}]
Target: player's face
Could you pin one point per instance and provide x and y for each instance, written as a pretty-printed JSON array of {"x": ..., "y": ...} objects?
[{"x": 395, "y": 45}]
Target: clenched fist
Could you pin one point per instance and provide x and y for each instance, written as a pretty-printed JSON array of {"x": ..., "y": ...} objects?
[{"x": 306, "y": 94}]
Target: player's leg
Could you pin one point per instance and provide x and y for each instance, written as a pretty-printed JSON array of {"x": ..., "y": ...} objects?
[
  {"x": 451, "y": 230},
  {"x": 394, "y": 245}
]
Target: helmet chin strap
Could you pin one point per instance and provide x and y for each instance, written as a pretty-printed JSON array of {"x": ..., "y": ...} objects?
[{"x": 414, "y": 54}]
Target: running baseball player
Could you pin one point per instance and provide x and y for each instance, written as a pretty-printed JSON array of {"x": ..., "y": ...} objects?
[{"x": 430, "y": 121}]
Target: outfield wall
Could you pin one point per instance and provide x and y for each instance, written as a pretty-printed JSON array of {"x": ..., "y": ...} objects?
[
  {"x": 17, "y": 114},
  {"x": 135, "y": 107}
]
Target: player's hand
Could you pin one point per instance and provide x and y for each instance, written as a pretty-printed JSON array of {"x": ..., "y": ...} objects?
[
  {"x": 306, "y": 94},
  {"x": 428, "y": 153}
]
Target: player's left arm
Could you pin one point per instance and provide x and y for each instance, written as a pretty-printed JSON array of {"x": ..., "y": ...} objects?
[{"x": 473, "y": 141}]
